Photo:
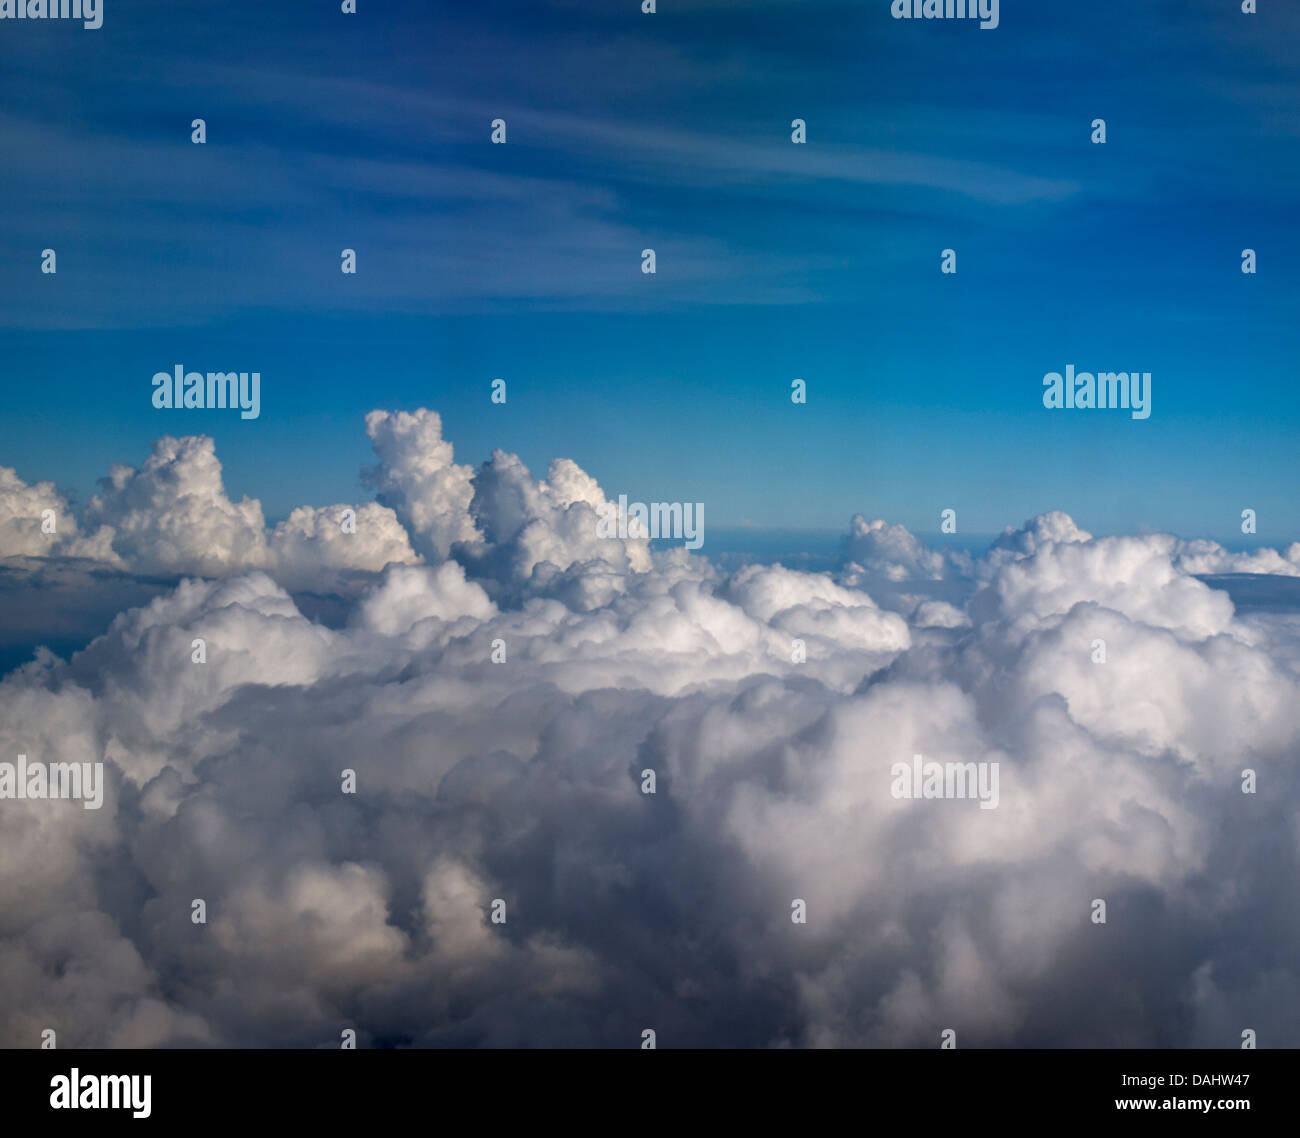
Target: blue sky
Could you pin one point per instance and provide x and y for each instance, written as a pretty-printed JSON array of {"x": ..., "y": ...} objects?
[{"x": 775, "y": 261}]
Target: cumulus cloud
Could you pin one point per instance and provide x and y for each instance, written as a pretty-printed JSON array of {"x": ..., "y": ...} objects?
[
  {"x": 1054, "y": 527},
  {"x": 37, "y": 521},
  {"x": 1135, "y": 576},
  {"x": 503, "y": 703},
  {"x": 1205, "y": 557},
  {"x": 417, "y": 477},
  {"x": 172, "y": 516},
  {"x": 890, "y": 551},
  {"x": 316, "y": 540},
  {"x": 543, "y": 538}
]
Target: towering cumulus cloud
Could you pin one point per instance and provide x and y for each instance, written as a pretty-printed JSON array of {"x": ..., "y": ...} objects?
[
  {"x": 172, "y": 516},
  {"x": 530, "y": 786},
  {"x": 417, "y": 477}
]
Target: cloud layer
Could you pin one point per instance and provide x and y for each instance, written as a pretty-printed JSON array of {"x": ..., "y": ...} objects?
[{"x": 499, "y": 681}]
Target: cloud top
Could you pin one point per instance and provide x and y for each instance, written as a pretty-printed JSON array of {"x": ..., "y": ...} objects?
[{"x": 502, "y": 686}]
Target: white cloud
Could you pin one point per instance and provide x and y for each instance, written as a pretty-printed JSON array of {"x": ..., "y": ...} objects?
[
  {"x": 520, "y": 780},
  {"x": 36, "y": 521},
  {"x": 1135, "y": 576},
  {"x": 418, "y": 478},
  {"x": 1202, "y": 556},
  {"x": 172, "y": 515},
  {"x": 889, "y": 551}
]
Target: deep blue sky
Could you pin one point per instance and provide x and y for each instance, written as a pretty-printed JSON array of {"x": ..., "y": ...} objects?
[{"x": 775, "y": 261}]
